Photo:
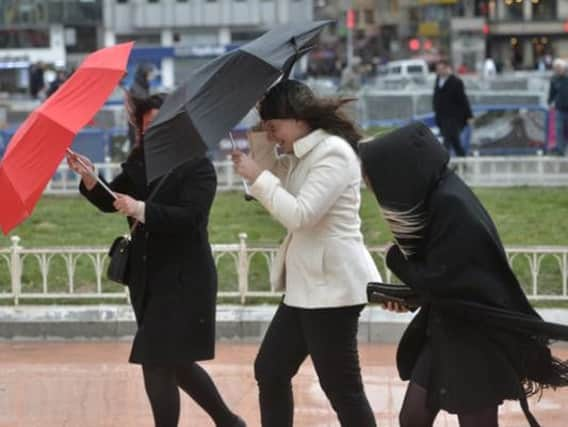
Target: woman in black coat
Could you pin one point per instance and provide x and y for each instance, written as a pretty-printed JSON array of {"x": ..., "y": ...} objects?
[
  {"x": 476, "y": 340},
  {"x": 171, "y": 274}
]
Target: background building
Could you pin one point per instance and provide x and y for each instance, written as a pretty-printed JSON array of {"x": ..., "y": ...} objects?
[
  {"x": 179, "y": 35},
  {"x": 47, "y": 31},
  {"x": 522, "y": 32}
]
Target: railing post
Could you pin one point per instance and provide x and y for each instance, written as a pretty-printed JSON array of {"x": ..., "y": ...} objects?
[
  {"x": 16, "y": 268},
  {"x": 540, "y": 167},
  {"x": 108, "y": 172},
  {"x": 243, "y": 266}
]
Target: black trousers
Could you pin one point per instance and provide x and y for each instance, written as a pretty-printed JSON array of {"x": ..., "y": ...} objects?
[
  {"x": 329, "y": 336},
  {"x": 451, "y": 133}
]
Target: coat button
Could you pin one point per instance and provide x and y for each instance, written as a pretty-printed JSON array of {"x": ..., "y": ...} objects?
[
  {"x": 144, "y": 258},
  {"x": 443, "y": 391}
]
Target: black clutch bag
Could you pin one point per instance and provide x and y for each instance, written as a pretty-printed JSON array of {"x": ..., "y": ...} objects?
[
  {"x": 119, "y": 253},
  {"x": 382, "y": 293}
]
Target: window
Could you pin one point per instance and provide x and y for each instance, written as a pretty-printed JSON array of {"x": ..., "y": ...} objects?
[
  {"x": 544, "y": 9},
  {"x": 369, "y": 15},
  {"x": 153, "y": 1},
  {"x": 122, "y": 1},
  {"x": 24, "y": 38},
  {"x": 415, "y": 69}
]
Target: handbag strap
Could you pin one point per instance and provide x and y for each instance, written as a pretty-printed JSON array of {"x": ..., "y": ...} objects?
[{"x": 136, "y": 222}]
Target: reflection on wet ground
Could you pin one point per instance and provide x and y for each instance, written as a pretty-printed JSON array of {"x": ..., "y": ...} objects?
[{"x": 89, "y": 384}]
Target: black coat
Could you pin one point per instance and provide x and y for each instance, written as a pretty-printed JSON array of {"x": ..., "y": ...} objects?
[
  {"x": 450, "y": 103},
  {"x": 172, "y": 275},
  {"x": 487, "y": 341}
]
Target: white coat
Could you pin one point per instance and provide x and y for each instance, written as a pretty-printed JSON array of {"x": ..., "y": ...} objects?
[{"x": 315, "y": 194}]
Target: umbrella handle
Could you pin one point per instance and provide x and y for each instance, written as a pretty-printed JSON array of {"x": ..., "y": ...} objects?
[
  {"x": 248, "y": 196},
  {"x": 94, "y": 175}
]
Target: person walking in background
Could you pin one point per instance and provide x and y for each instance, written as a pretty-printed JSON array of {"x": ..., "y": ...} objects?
[
  {"x": 558, "y": 102},
  {"x": 171, "y": 272},
  {"x": 60, "y": 78},
  {"x": 37, "y": 82},
  {"x": 323, "y": 266},
  {"x": 489, "y": 68},
  {"x": 452, "y": 111}
]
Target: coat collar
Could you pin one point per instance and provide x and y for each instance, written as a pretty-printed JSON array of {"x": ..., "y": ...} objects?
[{"x": 305, "y": 144}]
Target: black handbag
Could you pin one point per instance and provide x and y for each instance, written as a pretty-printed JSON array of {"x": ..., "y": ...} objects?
[
  {"x": 383, "y": 293},
  {"x": 118, "y": 253}
]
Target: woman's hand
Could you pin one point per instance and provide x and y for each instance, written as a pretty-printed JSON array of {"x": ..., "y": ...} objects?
[
  {"x": 83, "y": 166},
  {"x": 126, "y": 205},
  {"x": 245, "y": 166},
  {"x": 395, "y": 306}
]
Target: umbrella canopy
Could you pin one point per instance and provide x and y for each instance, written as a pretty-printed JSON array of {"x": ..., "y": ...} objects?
[
  {"x": 39, "y": 145},
  {"x": 218, "y": 95}
]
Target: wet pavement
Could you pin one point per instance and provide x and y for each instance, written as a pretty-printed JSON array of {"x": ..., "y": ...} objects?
[{"x": 90, "y": 384}]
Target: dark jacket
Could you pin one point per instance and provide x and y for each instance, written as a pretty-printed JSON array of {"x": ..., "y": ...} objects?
[
  {"x": 450, "y": 103},
  {"x": 172, "y": 275},
  {"x": 558, "y": 93},
  {"x": 487, "y": 341}
]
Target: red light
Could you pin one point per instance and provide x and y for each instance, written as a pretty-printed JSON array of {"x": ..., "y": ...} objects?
[
  {"x": 486, "y": 29},
  {"x": 427, "y": 44},
  {"x": 414, "y": 44},
  {"x": 565, "y": 26},
  {"x": 350, "y": 19}
]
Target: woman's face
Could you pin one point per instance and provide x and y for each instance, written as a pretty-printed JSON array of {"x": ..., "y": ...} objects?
[
  {"x": 285, "y": 132},
  {"x": 148, "y": 117}
]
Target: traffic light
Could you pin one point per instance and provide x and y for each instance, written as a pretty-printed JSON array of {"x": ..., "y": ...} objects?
[{"x": 350, "y": 19}]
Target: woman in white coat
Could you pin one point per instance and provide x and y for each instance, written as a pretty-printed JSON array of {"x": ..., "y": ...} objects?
[{"x": 322, "y": 266}]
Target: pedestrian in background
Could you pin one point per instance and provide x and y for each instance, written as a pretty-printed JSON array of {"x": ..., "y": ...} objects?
[
  {"x": 452, "y": 111},
  {"x": 60, "y": 78},
  {"x": 558, "y": 102}
]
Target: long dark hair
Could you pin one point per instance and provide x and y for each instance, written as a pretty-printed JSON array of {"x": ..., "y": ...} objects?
[
  {"x": 291, "y": 99},
  {"x": 136, "y": 108}
]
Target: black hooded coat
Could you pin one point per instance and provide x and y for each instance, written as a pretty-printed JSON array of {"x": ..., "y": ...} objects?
[{"x": 488, "y": 343}]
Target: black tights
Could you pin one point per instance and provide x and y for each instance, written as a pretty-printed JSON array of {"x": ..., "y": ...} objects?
[
  {"x": 415, "y": 412},
  {"x": 162, "y": 384}
]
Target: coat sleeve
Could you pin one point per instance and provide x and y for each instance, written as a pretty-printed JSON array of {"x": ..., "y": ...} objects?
[
  {"x": 328, "y": 177},
  {"x": 463, "y": 101},
  {"x": 551, "y": 92},
  {"x": 264, "y": 154},
  {"x": 446, "y": 252},
  {"x": 99, "y": 197},
  {"x": 197, "y": 187}
]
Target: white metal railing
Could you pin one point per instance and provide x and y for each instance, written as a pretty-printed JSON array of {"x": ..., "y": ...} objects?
[
  {"x": 66, "y": 182},
  {"x": 478, "y": 171},
  {"x": 25, "y": 272},
  {"x": 511, "y": 171}
]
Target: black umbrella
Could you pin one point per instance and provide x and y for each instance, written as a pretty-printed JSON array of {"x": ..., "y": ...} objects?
[{"x": 215, "y": 97}]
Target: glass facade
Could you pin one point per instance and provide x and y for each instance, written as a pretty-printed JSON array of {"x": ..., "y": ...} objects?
[{"x": 31, "y": 13}]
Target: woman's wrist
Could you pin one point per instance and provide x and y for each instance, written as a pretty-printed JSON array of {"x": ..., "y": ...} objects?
[{"x": 89, "y": 182}]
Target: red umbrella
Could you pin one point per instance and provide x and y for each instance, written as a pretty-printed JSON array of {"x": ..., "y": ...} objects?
[{"x": 39, "y": 145}]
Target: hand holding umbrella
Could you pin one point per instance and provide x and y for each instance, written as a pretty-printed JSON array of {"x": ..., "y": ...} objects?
[
  {"x": 84, "y": 167},
  {"x": 245, "y": 166}
]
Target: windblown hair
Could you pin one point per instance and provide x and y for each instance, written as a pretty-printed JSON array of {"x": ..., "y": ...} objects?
[
  {"x": 137, "y": 107},
  {"x": 406, "y": 226},
  {"x": 291, "y": 99}
]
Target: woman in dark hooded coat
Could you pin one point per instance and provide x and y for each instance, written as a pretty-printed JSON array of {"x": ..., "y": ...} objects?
[{"x": 476, "y": 340}]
